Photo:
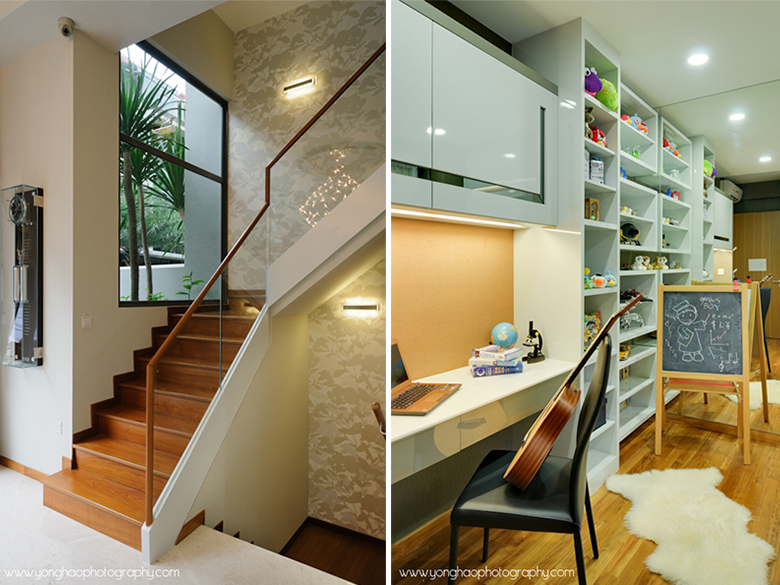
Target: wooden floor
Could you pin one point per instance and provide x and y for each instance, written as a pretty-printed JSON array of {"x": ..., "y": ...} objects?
[
  {"x": 622, "y": 558},
  {"x": 353, "y": 559}
]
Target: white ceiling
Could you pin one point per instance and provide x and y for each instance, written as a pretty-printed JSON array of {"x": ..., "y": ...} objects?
[
  {"x": 241, "y": 14},
  {"x": 25, "y": 25},
  {"x": 654, "y": 40}
]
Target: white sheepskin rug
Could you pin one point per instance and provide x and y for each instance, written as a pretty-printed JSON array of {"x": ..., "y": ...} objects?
[
  {"x": 756, "y": 399},
  {"x": 701, "y": 534}
]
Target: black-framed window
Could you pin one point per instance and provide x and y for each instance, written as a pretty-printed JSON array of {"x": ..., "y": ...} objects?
[{"x": 172, "y": 180}]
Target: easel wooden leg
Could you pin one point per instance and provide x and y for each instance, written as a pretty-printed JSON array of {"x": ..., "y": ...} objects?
[
  {"x": 706, "y": 398},
  {"x": 746, "y": 420},
  {"x": 680, "y": 403},
  {"x": 740, "y": 410},
  {"x": 762, "y": 364},
  {"x": 659, "y": 414}
]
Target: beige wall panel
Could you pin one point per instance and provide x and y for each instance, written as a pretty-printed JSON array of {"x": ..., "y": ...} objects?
[{"x": 450, "y": 285}]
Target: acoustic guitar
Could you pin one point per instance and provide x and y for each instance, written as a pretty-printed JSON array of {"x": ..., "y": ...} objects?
[
  {"x": 763, "y": 280},
  {"x": 542, "y": 434}
]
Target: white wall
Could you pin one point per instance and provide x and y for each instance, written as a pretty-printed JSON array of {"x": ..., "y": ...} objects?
[
  {"x": 203, "y": 45},
  {"x": 58, "y": 131},
  {"x": 36, "y": 148},
  {"x": 107, "y": 348},
  {"x": 167, "y": 281},
  {"x": 258, "y": 483}
]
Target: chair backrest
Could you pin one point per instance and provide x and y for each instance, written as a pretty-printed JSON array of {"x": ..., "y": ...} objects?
[{"x": 591, "y": 405}]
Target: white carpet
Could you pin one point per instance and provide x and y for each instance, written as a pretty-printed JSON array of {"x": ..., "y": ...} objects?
[
  {"x": 701, "y": 534},
  {"x": 756, "y": 399}
]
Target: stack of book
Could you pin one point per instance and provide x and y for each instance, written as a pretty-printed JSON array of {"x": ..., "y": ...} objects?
[{"x": 493, "y": 360}]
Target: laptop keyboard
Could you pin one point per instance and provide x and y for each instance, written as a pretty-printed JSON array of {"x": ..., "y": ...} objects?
[{"x": 411, "y": 395}]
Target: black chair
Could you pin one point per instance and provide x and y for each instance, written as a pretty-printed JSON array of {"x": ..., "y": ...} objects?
[{"x": 553, "y": 501}]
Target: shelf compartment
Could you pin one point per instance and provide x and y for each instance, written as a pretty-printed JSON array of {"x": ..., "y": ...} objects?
[
  {"x": 629, "y": 334},
  {"x": 600, "y": 111},
  {"x": 633, "y": 385},
  {"x": 673, "y": 162},
  {"x": 600, "y": 225},
  {"x": 590, "y": 292},
  {"x": 602, "y": 429},
  {"x": 634, "y": 189},
  {"x": 596, "y": 149},
  {"x": 632, "y": 417},
  {"x": 636, "y": 167},
  {"x": 591, "y": 187},
  {"x": 637, "y": 356},
  {"x": 630, "y": 136}
]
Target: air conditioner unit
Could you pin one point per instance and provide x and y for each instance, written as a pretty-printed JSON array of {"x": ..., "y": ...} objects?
[{"x": 731, "y": 191}]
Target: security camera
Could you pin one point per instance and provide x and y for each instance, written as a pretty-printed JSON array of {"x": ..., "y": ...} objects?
[{"x": 66, "y": 26}]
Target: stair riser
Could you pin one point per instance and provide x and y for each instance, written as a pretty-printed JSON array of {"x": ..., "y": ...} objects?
[
  {"x": 95, "y": 517},
  {"x": 117, "y": 471},
  {"x": 185, "y": 375},
  {"x": 197, "y": 348},
  {"x": 135, "y": 433},
  {"x": 237, "y": 328},
  {"x": 165, "y": 403}
]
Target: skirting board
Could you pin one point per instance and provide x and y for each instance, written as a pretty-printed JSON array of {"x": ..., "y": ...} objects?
[{"x": 23, "y": 469}]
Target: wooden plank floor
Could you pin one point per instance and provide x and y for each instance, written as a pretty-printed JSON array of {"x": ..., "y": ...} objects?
[
  {"x": 622, "y": 557},
  {"x": 339, "y": 554}
]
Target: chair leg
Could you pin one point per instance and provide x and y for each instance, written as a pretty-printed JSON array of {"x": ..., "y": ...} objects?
[
  {"x": 591, "y": 525},
  {"x": 580, "y": 558},
  {"x": 453, "y": 551},
  {"x": 485, "y": 545}
]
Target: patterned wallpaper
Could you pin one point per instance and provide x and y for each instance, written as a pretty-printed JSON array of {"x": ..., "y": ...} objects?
[
  {"x": 328, "y": 39},
  {"x": 346, "y": 374}
]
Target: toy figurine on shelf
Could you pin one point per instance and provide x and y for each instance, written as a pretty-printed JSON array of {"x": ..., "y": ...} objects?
[
  {"x": 676, "y": 265},
  {"x": 533, "y": 340},
  {"x": 598, "y": 136},
  {"x": 599, "y": 281},
  {"x": 623, "y": 173},
  {"x": 588, "y": 281},
  {"x": 610, "y": 278},
  {"x": 593, "y": 84},
  {"x": 673, "y": 194}
]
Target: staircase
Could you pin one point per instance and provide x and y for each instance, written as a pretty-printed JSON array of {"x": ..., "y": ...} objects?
[{"x": 104, "y": 489}]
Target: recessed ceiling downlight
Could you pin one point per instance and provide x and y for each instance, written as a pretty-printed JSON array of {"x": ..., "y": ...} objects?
[
  {"x": 765, "y": 159},
  {"x": 698, "y": 59},
  {"x": 736, "y": 117}
]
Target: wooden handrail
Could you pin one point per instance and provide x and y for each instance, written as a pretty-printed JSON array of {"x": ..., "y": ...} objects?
[{"x": 160, "y": 353}]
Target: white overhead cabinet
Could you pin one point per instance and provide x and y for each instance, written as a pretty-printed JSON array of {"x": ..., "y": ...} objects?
[
  {"x": 465, "y": 121},
  {"x": 410, "y": 147}
]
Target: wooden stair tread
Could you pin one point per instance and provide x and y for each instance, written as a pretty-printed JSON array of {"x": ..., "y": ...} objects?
[
  {"x": 161, "y": 421},
  {"x": 196, "y": 337},
  {"x": 176, "y": 360},
  {"x": 217, "y": 315},
  {"x": 131, "y": 453},
  {"x": 104, "y": 493},
  {"x": 165, "y": 387}
]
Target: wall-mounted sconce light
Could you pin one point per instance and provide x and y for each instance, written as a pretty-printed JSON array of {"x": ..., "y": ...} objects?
[
  {"x": 300, "y": 87},
  {"x": 355, "y": 307}
]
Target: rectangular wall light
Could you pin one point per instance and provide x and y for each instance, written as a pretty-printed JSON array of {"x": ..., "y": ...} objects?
[
  {"x": 362, "y": 307},
  {"x": 300, "y": 85}
]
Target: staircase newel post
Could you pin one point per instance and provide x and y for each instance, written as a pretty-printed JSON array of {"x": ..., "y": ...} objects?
[{"x": 149, "y": 501}]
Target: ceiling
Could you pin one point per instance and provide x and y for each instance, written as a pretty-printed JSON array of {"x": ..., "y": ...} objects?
[
  {"x": 654, "y": 40},
  {"x": 26, "y": 25}
]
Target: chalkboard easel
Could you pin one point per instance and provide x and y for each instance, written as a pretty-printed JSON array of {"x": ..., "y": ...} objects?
[{"x": 704, "y": 346}]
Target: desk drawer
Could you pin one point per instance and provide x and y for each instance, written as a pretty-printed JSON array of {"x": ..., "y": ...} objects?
[{"x": 422, "y": 450}]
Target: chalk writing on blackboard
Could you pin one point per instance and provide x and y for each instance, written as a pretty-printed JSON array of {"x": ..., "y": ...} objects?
[{"x": 702, "y": 332}]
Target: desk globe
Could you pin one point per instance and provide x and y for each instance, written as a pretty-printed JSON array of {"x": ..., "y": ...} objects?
[{"x": 504, "y": 334}]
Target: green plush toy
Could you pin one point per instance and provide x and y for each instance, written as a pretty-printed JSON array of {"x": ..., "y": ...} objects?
[
  {"x": 608, "y": 95},
  {"x": 707, "y": 168}
]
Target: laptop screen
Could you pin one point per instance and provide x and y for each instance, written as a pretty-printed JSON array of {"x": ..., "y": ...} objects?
[{"x": 398, "y": 373}]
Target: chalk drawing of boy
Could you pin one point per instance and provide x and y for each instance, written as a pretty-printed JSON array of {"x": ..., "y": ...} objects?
[{"x": 688, "y": 340}]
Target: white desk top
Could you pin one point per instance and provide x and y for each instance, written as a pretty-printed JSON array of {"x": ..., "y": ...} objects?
[{"x": 475, "y": 393}]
